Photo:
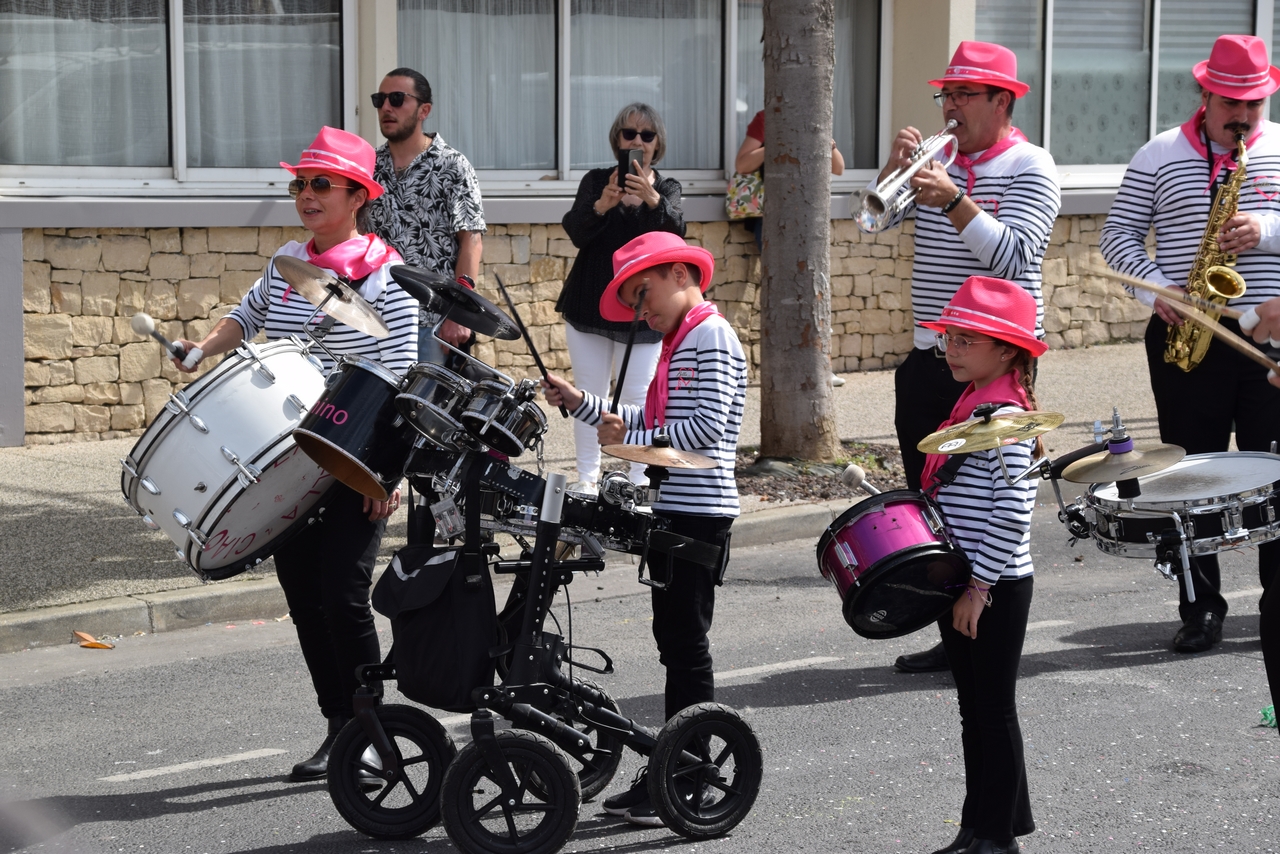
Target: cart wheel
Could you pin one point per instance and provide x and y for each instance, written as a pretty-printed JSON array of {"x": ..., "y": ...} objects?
[
  {"x": 606, "y": 751},
  {"x": 401, "y": 806},
  {"x": 705, "y": 771},
  {"x": 481, "y": 819}
]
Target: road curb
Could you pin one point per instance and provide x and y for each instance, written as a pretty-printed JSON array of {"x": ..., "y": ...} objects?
[{"x": 262, "y": 598}]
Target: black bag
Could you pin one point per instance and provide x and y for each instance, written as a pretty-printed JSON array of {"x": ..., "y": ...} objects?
[{"x": 443, "y": 624}]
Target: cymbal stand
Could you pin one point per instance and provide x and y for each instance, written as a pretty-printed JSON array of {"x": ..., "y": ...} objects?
[{"x": 321, "y": 329}]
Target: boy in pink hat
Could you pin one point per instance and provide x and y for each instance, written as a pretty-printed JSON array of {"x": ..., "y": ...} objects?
[
  {"x": 695, "y": 403},
  {"x": 988, "y": 334},
  {"x": 1170, "y": 184}
]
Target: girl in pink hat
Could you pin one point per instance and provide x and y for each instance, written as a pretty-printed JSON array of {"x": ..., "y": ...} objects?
[{"x": 988, "y": 336}]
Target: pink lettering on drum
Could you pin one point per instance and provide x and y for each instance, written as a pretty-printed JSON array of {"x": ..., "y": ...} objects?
[{"x": 337, "y": 416}]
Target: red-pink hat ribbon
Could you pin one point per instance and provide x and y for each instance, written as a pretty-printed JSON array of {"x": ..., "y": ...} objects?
[
  {"x": 353, "y": 259},
  {"x": 1191, "y": 130},
  {"x": 966, "y": 163}
]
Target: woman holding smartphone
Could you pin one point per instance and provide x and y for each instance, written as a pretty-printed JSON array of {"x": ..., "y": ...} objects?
[{"x": 613, "y": 207}]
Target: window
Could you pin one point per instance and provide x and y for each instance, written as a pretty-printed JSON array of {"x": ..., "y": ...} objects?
[
  {"x": 1188, "y": 29},
  {"x": 1019, "y": 26}
]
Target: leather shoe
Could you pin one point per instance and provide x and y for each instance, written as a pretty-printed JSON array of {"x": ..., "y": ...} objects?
[
  {"x": 1198, "y": 634},
  {"x": 960, "y": 844},
  {"x": 924, "y": 662},
  {"x": 317, "y": 767},
  {"x": 987, "y": 846}
]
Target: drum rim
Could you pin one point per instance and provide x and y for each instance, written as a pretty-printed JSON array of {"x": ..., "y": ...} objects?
[
  {"x": 378, "y": 369},
  {"x": 1094, "y": 500},
  {"x": 419, "y": 369},
  {"x": 875, "y": 574},
  {"x": 373, "y": 476},
  {"x": 871, "y": 501},
  {"x": 493, "y": 384}
]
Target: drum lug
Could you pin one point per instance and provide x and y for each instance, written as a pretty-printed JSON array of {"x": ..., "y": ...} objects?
[
  {"x": 296, "y": 403},
  {"x": 198, "y": 536},
  {"x": 181, "y": 518},
  {"x": 248, "y": 474},
  {"x": 180, "y": 404},
  {"x": 132, "y": 468},
  {"x": 149, "y": 485},
  {"x": 1235, "y": 530},
  {"x": 250, "y": 353},
  {"x": 150, "y": 523}
]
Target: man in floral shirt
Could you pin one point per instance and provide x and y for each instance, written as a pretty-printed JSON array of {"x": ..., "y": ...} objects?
[{"x": 431, "y": 211}]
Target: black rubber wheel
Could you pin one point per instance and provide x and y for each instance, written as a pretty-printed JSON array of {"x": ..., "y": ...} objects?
[
  {"x": 403, "y": 806},
  {"x": 705, "y": 772},
  {"x": 602, "y": 763},
  {"x": 536, "y": 820}
]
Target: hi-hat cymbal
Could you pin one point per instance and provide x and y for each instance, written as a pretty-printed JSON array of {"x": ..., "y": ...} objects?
[
  {"x": 672, "y": 458},
  {"x": 347, "y": 306},
  {"x": 456, "y": 302},
  {"x": 980, "y": 435},
  {"x": 1106, "y": 467}
]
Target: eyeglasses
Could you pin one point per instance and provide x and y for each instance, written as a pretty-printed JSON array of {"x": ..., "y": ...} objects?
[
  {"x": 958, "y": 98},
  {"x": 396, "y": 99},
  {"x": 320, "y": 185},
  {"x": 645, "y": 135},
  {"x": 957, "y": 344}
]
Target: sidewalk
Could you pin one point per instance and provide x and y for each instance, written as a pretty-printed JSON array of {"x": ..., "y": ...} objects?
[{"x": 73, "y": 555}]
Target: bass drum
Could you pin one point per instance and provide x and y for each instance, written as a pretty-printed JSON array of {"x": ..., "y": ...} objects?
[{"x": 218, "y": 471}]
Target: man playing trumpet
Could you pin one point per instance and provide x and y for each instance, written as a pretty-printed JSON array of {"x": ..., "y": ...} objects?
[
  {"x": 989, "y": 213},
  {"x": 1171, "y": 184}
]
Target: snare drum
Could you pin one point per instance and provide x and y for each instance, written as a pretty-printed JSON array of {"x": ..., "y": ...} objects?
[
  {"x": 1224, "y": 501},
  {"x": 218, "y": 471},
  {"x": 431, "y": 402},
  {"x": 494, "y": 417},
  {"x": 354, "y": 430},
  {"x": 892, "y": 563}
]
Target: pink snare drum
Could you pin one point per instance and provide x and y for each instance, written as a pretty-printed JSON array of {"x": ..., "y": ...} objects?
[{"x": 892, "y": 563}]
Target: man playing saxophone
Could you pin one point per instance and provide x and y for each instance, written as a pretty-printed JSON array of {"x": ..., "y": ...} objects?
[{"x": 1186, "y": 182}]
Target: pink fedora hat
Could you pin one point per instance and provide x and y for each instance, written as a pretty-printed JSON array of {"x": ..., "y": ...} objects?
[
  {"x": 645, "y": 251},
  {"x": 1237, "y": 68},
  {"x": 995, "y": 307},
  {"x": 342, "y": 153},
  {"x": 982, "y": 62}
]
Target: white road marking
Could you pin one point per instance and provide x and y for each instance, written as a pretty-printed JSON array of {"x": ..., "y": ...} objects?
[
  {"x": 192, "y": 766},
  {"x": 781, "y": 666},
  {"x": 1250, "y": 593},
  {"x": 1048, "y": 624}
]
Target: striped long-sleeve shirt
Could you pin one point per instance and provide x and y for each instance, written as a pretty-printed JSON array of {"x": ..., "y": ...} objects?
[
  {"x": 706, "y": 393},
  {"x": 1017, "y": 191},
  {"x": 266, "y": 306},
  {"x": 1167, "y": 186},
  {"x": 989, "y": 520}
]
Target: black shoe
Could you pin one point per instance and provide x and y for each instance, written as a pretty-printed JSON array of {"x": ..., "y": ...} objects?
[
  {"x": 644, "y": 815},
  {"x": 960, "y": 844},
  {"x": 924, "y": 662},
  {"x": 987, "y": 846},
  {"x": 633, "y": 797},
  {"x": 317, "y": 766},
  {"x": 1198, "y": 634}
]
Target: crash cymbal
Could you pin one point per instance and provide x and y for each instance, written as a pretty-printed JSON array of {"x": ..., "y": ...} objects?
[
  {"x": 347, "y": 306},
  {"x": 455, "y": 301},
  {"x": 980, "y": 435},
  {"x": 672, "y": 458},
  {"x": 1106, "y": 467}
]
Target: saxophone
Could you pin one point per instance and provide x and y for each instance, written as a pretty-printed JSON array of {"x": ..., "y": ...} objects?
[{"x": 1211, "y": 275}]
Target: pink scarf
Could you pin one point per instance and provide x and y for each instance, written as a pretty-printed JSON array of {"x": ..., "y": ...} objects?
[
  {"x": 655, "y": 402},
  {"x": 1191, "y": 130},
  {"x": 352, "y": 259},
  {"x": 1005, "y": 390},
  {"x": 967, "y": 163}
]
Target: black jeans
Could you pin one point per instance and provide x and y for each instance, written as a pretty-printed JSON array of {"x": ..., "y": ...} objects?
[
  {"x": 924, "y": 394},
  {"x": 682, "y": 614},
  {"x": 326, "y": 572},
  {"x": 996, "y": 803},
  {"x": 1269, "y": 629},
  {"x": 1197, "y": 410}
]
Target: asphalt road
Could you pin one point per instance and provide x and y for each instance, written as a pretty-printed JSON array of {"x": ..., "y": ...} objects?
[{"x": 1129, "y": 746}]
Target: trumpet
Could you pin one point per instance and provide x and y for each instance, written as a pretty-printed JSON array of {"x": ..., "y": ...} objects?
[{"x": 878, "y": 207}]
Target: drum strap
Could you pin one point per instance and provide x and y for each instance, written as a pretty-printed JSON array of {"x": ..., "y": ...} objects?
[
  {"x": 685, "y": 548},
  {"x": 946, "y": 475}
]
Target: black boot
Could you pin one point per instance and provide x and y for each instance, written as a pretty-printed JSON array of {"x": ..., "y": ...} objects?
[
  {"x": 929, "y": 661},
  {"x": 960, "y": 844},
  {"x": 317, "y": 766}
]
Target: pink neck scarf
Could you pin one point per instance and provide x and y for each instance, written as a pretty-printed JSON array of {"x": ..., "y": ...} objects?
[
  {"x": 966, "y": 163},
  {"x": 1191, "y": 130},
  {"x": 353, "y": 259},
  {"x": 655, "y": 401},
  {"x": 1005, "y": 390}
]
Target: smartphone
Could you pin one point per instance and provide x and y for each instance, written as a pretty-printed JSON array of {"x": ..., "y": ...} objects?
[{"x": 631, "y": 155}]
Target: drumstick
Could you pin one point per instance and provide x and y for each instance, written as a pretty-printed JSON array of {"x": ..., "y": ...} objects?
[
  {"x": 1167, "y": 295},
  {"x": 515, "y": 315},
  {"x": 1228, "y": 337},
  {"x": 626, "y": 355}
]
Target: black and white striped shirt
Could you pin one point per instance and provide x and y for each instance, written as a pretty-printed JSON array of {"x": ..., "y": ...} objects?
[
  {"x": 1018, "y": 193},
  {"x": 989, "y": 520},
  {"x": 706, "y": 393},
  {"x": 1167, "y": 186},
  {"x": 265, "y": 306}
]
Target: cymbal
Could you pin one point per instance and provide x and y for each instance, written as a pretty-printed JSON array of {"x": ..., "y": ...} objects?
[
  {"x": 979, "y": 435},
  {"x": 1106, "y": 467},
  {"x": 347, "y": 306},
  {"x": 455, "y": 301},
  {"x": 672, "y": 458}
]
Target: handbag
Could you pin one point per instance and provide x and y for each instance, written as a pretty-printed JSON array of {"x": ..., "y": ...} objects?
[{"x": 745, "y": 198}]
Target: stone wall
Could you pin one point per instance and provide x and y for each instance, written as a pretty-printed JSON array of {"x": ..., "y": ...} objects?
[{"x": 88, "y": 376}]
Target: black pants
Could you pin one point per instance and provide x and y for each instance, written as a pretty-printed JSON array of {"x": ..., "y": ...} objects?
[
  {"x": 326, "y": 573},
  {"x": 924, "y": 394},
  {"x": 682, "y": 614},
  {"x": 1269, "y": 629},
  {"x": 996, "y": 803},
  {"x": 1198, "y": 410}
]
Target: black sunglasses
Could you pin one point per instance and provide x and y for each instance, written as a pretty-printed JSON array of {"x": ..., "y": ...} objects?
[
  {"x": 645, "y": 135},
  {"x": 396, "y": 99},
  {"x": 320, "y": 185}
]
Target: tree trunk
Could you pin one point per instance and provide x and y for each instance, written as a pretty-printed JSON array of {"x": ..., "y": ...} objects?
[{"x": 797, "y": 413}]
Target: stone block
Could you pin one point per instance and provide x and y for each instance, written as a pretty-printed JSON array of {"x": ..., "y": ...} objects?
[
  {"x": 538, "y": 240},
  {"x": 208, "y": 265},
  {"x": 1096, "y": 332},
  {"x": 165, "y": 240},
  {"x": 100, "y": 292},
  {"x": 101, "y": 394},
  {"x": 35, "y": 287},
  {"x": 512, "y": 274},
  {"x": 50, "y": 418},
  {"x": 91, "y": 419},
  {"x": 92, "y": 331},
  {"x": 71, "y": 277},
  {"x": 1056, "y": 319},
  {"x": 61, "y": 372},
  {"x": 256, "y": 263},
  {"x": 562, "y": 247},
  {"x": 161, "y": 300},
  {"x": 46, "y": 336},
  {"x": 171, "y": 267},
  {"x": 1066, "y": 296},
  {"x": 155, "y": 394},
  {"x": 139, "y": 362},
  {"x": 232, "y": 240},
  {"x": 875, "y": 321},
  {"x": 71, "y": 393},
  {"x": 97, "y": 369},
  {"x": 545, "y": 269},
  {"x": 195, "y": 241},
  {"x": 519, "y": 249},
  {"x": 270, "y": 238},
  {"x": 130, "y": 393},
  {"x": 32, "y": 244},
  {"x": 65, "y": 298},
  {"x": 890, "y": 300},
  {"x": 128, "y": 417},
  {"x": 497, "y": 250},
  {"x": 1054, "y": 271},
  {"x": 73, "y": 254},
  {"x": 35, "y": 374},
  {"x": 125, "y": 253},
  {"x": 234, "y": 284},
  {"x": 1072, "y": 338},
  {"x": 196, "y": 297},
  {"x": 132, "y": 299}
]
